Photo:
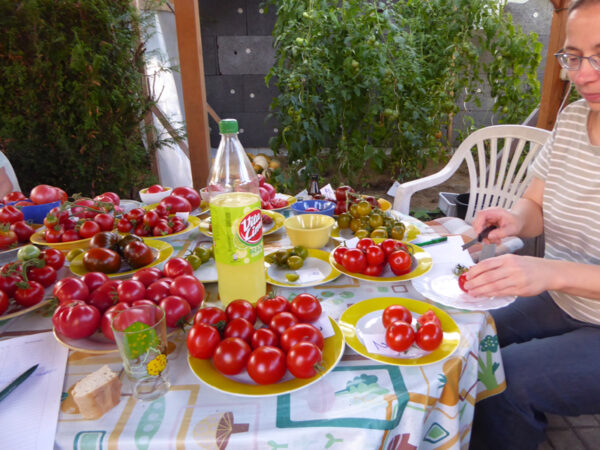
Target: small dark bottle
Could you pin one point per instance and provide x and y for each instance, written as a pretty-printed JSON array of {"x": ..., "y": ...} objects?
[{"x": 313, "y": 188}]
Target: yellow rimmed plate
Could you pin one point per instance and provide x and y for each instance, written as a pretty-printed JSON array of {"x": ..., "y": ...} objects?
[
  {"x": 365, "y": 317},
  {"x": 421, "y": 264},
  {"x": 267, "y": 228},
  {"x": 290, "y": 198},
  {"x": 162, "y": 251},
  {"x": 38, "y": 239},
  {"x": 316, "y": 270},
  {"x": 411, "y": 232},
  {"x": 243, "y": 386},
  {"x": 196, "y": 212},
  {"x": 15, "y": 310}
]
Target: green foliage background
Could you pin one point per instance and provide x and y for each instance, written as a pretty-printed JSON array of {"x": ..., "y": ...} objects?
[
  {"x": 71, "y": 98},
  {"x": 366, "y": 83}
]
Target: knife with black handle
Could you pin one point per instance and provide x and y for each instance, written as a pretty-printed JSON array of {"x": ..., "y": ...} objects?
[{"x": 480, "y": 237}]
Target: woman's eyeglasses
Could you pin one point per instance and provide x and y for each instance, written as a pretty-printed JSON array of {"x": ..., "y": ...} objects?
[{"x": 570, "y": 61}]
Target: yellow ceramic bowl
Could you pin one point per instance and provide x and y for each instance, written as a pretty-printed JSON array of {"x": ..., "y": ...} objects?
[{"x": 309, "y": 230}]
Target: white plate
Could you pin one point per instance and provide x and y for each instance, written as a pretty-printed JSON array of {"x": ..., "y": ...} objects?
[
  {"x": 316, "y": 270},
  {"x": 441, "y": 286}
]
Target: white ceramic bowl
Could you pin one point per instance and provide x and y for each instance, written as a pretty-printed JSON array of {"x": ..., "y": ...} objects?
[{"x": 156, "y": 197}]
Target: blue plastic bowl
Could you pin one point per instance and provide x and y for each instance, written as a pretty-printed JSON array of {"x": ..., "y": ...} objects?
[
  {"x": 324, "y": 206},
  {"x": 37, "y": 213}
]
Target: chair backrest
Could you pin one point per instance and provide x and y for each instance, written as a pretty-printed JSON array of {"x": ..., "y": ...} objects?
[{"x": 497, "y": 158}]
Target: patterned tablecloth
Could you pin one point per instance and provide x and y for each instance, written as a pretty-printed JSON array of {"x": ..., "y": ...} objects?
[{"x": 360, "y": 404}]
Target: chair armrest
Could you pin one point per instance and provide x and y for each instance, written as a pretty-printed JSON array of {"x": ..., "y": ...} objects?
[{"x": 406, "y": 190}]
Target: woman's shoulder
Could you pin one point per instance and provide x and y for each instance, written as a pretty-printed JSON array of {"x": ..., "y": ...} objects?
[{"x": 579, "y": 108}]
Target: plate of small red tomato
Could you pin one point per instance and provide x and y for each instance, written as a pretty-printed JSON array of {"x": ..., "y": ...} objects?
[
  {"x": 400, "y": 331},
  {"x": 443, "y": 285},
  {"x": 381, "y": 260}
]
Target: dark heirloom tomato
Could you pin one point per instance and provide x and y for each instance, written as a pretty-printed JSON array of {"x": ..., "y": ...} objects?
[
  {"x": 138, "y": 254},
  {"x": 101, "y": 260},
  {"x": 126, "y": 240}
]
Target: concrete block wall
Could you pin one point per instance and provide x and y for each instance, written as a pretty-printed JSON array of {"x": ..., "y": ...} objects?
[{"x": 238, "y": 52}]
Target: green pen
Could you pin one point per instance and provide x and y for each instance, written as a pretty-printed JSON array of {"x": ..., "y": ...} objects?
[
  {"x": 16, "y": 382},
  {"x": 433, "y": 241}
]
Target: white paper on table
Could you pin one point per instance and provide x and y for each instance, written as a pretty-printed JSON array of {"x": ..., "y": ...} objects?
[
  {"x": 29, "y": 414},
  {"x": 449, "y": 251},
  {"x": 323, "y": 324}
]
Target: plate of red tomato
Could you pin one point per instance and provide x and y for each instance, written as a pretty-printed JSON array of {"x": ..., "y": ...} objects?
[
  {"x": 443, "y": 285},
  {"x": 276, "y": 348},
  {"x": 381, "y": 260},
  {"x": 364, "y": 327}
]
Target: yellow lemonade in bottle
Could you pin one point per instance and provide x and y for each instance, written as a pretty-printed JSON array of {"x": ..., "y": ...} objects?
[{"x": 239, "y": 253}]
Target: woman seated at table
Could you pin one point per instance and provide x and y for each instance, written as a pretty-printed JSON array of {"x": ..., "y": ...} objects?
[{"x": 550, "y": 336}]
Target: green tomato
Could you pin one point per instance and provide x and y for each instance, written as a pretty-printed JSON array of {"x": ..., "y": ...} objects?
[
  {"x": 28, "y": 252},
  {"x": 302, "y": 252},
  {"x": 294, "y": 262},
  {"x": 194, "y": 260},
  {"x": 203, "y": 253}
]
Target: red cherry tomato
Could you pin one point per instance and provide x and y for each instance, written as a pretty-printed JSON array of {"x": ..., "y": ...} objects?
[
  {"x": 304, "y": 360},
  {"x": 124, "y": 226},
  {"x": 375, "y": 255},
  {"x": 389, "y": 246},
  {"x": 266, "y": 365},
  {"x": 338, "y": 254},
  {"x": 190, "y": 288},
  {"x": 354, "y": 260},
  {"x": 395, "y": 313},
  {"x": 46, "y": 275},
  {"x": 264, "y": 336},
  {"x": 52, "y": 235},
  {"x": 177, "y": 309},
  {"x": 76, "y": 319},
  {"x": 231, "y": 355},
  {"x": 53, "y": 257},
  {"x": 268, "y": 306},
  {"x": 400, "y": 262},
  {"x": 462, "y": 279},
  {"x": 282, "y": 321},
  {"x": 399, "y": 336},
  {"x": 306, "y": 307},
  {"x": 364, "y": 243},
  {"x": 429, "y": 336},
  {"x": 300, "y": 332},
  {"x": 373, "y": 271},
  {"x": 429, "y": 316},
  {"x": 202, "y": 341},
  {"x": 241, "y": 308},
  {"x": 70, "y": 235},
  {"x": 88, "y": 229},
  {"x": 177, "y": 266},
  {"x": 211, "y": 315},
  {"x": 240, "y": 328},
  {"x": 29, "y": 294},
  {"x": 105, "y": 221}
]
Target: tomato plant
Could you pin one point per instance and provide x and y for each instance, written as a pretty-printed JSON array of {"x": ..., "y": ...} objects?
[
  {"x": 231, "y": 355},
  {"x": 267, "y": 365},
  {"x": 304, "y": 360},
  {"x": 202, "y": 341}
]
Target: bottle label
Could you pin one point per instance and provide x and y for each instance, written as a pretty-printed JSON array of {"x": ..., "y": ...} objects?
[{"x": 237, "y": 230}]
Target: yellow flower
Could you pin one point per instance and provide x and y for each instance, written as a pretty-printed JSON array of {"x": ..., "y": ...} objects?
[{"x": 157, "y": 365}]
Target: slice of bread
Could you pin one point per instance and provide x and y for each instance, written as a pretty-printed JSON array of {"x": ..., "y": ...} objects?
[{"x": 97, "y": 393}]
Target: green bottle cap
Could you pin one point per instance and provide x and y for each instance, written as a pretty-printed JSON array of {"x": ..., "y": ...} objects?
[{"x": 228, "y": 126}]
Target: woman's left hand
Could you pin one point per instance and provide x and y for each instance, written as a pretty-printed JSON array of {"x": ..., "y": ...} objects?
[{"x": 508, "y": 275}]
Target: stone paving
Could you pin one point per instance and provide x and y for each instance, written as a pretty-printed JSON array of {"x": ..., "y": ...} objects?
[{"x": 572, "y": 433}]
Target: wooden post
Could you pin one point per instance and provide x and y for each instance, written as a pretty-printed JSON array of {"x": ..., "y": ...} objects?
[
  {"x": 553, "y": 88},
  {"x": 189, "y": 43}
]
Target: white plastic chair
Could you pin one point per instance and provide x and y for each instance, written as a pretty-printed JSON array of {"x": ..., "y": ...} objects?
[{"x": 497, "y": 158}]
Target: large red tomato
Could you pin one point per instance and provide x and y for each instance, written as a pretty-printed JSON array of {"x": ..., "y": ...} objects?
[
  {"x": 241, "y": 308},
  {"x": 128, "y": 291},
  {"x": 266, "y": 365},
  {"x": 44, "y": 193},
  {"x": 301, "y": 332},
  {"x": 176, "y": 310},
  {"x": 29, "y": 294},
  {"x": 304, "y": 360},
  {"x": 188, "y": 287},
  {"x": 399, "y": 336},
  {"x": 264, "y": 336},
  {"x": 107, "y": 318},
  {"x": 231, "y": 356},
  {"x": 395, "y": 313},
  {"x": 306, "y": 307},
  {"x": 53, "y": 257},
  {"x": 268, "y": 306},
  {"x": 94, "y": 280},
  {"x": 191, "y": 195},
  {"x": 105, "y": 295},
  {"x": 175, "y": 204},
  {"x": 429, "y": 336},
  {"x": 158, "y": 290},
  {"x": 354, "y": 260},
  {"x": 76, "y": 319},
  {"x": 70, "y": 288},
  {"x": 10, "y": 214},
  {"x": 210, "y": 315},
  {"x": 46, "y": 275},
  {"x": 202, "y": 340},
  {"x": 177, "y": 266},
  {"x": 14, "y": 196},
  {"x": 148, "y": 275},
  {"x": 240, "y": 328},
  {"x": 22, "y": 230},
  {"x": 400, "y": 262}
]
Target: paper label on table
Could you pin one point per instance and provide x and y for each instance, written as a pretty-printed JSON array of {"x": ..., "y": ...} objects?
[
  {"x": 328, "y": 192},
  {"x": 323, "y": 324},
  {"x": 375, "y": 343},
  {"x": 310, "y": 274}
]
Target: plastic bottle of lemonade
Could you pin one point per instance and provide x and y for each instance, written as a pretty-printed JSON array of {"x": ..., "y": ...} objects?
[{"x": 236, "y": 220}]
